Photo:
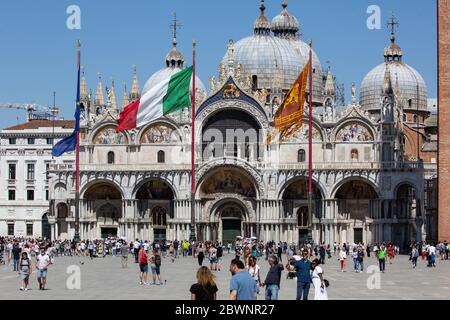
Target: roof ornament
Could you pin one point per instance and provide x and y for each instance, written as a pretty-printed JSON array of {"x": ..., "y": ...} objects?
[
  {"x": 262, "y": 24},
  {"x": 174, "y": 58},
  {"x": 393, "y": 52}
]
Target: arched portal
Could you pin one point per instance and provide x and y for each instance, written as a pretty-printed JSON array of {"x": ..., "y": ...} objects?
[
  {"x": 296, "y": 206},
  {"x": 155, "y": 206},
  {"x": 62, "y": 213},
  {"x": 231, "y": 216},
  {"x": 355, "y": 203},
  {"x": 46, "y": 228},
  {"x": 103, "y": 201},
  {"x": 406, "y": 207}
]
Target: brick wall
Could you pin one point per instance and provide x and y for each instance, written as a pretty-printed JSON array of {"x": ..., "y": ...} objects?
[{"x": 444, "y": 119}]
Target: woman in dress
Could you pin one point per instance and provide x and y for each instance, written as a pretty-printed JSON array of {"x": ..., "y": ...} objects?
[
  {"x": 24, "y": 271},
  {"x": 391, "y": 253},
  {"x": 320, "y": 290},
  {"x": 254, "y": 269},
  {"x": 205, "y": 288},
  {"x": 200, "y": 254}
]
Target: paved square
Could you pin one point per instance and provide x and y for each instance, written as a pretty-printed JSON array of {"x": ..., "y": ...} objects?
[{"x": 103, "y": 278}]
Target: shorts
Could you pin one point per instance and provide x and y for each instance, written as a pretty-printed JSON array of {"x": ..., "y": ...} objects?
[
  {"x": 156, "y": 270},
  {"x": 143, "y": 267},
  {"x": 213, "y": 260},
  {"x": 42, "y": 273}
]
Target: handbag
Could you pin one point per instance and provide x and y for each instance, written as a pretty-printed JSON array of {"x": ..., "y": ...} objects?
[{"x": 326, "y": 282}]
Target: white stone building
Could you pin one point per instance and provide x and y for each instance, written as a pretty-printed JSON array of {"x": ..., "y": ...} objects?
[
  {"x": 25, "y": 157},
  {"x": 367, "y": 188}
]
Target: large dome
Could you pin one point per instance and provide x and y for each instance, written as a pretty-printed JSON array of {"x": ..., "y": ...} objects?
[
  {"x": 276, "y": 58},
  {"x": 405, "y": 79},
  {"x": 268, "y": 58}
]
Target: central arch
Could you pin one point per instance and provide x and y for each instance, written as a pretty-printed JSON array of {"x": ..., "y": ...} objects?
[{"x": 356, "y": 202}]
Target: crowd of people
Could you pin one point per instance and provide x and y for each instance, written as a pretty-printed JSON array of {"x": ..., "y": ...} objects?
[{"x": 304, "y": 262}]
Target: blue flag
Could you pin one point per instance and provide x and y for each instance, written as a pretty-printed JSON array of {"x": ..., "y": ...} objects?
[{"x": 70, "y": 143}]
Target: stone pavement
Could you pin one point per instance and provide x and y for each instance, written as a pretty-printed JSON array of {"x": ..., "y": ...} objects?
[{"x": 103, "y": 278}]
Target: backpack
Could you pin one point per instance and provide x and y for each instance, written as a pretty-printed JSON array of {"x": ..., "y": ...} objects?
[
  {"x": 158, "y": 260},
  {"x": 143, "y": 257}
]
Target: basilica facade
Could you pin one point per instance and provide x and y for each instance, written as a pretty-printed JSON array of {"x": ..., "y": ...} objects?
[{"x": 369, "y": 157}]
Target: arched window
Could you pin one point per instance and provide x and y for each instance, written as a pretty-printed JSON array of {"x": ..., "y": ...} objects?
[
  {"x": 415, "y": 118},
  {"x": 355, "y": 156},
  {"x": 254, "y": 82},
  {"x": 110, "y": 157},
  {"x": 410, "y": 103},
  {"x": 301, "y": 156},
  {"x": 302, "y": 216},
  {"x": 159, "y": 216},
  {"x": 161, "y": 156},
  {"x": 404, "y": 118}
]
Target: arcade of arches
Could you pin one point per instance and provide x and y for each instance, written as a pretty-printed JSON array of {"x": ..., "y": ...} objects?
[{"x": 229, "y": 205}]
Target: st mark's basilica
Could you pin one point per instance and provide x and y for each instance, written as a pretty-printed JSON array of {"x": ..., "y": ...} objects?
[{"x": 373, "y": 160}]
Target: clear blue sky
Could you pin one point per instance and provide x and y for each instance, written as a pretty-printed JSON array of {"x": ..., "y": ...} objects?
[{"x": 38, "y": 52}]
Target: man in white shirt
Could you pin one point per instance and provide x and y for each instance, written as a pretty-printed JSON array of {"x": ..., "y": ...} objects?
[{"x": 43, "y": 261}]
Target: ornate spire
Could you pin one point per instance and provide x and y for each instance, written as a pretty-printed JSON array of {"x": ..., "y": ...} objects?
[
  {"x": 262, "y": 24},
  {"x": 112, "y": 97},
  {"x": 393, "y": 52},
  {"x": 125, "y": 100},
  {"x": 329, "y": 84},
  {"x": 99, "y": 98},
  {"x": 83, "y": 87},
  {"x": 387, "y": 83},
  {"x": 134, "y": 94},
  {"x": 174, "y": 58}
]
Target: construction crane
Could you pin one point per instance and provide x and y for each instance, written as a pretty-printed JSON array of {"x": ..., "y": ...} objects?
[{"x": 34, "y": 111}]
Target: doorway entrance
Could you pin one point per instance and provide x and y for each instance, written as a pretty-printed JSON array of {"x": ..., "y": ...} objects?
[
  {"x": 358, "y": 235},
  {"x": 231, "y": 223},
  {"x": 108, "y": 232},
  {"x": 304, "y": 236},
  {"x": 46, "y": 228},
  {"x": 159, "y": 235}
]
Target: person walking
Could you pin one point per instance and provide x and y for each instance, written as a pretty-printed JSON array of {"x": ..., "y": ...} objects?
[
  {"x": 391, "y": 253},
  {"x": 381, "y": 255},
  {"x": 343, "y": 259},
  {"x": 242, "y": 285},
  {"x": 322, "y": 252},
  {"x": 136, "y": 249},
  {"x": 42, "y": 263},
  {"x": 205, "y": 288},
  {"x": 368, "y": 251},
  {"x": 143, "y": 265},
  {"x": 124, "y": 255},
  {"x": 200, "y": 254},
  {"x": 16, "y": 255},
  {"x": 253, "y": 269},
  {"x": 303, "y": 268},
  {"x": 360, "y": 259},
  {"x": 320, "y": 290},
  {"x": 155, "y": 264},
  {"x": 414, "y": 256},
  {"x": 213, "y": 258},
  {"x": 25, "y": 271},
  {"x": 273, "y": 278}
]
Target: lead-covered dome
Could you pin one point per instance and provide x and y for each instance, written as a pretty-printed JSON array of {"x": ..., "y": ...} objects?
[
  {"x": 407, "y": 82},
  {"x": 285, "y": 25},
  {"x": 275, "y": 61}
]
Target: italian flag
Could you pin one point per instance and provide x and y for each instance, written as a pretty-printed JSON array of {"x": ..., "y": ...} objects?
[{"x": 168, "y": 96}]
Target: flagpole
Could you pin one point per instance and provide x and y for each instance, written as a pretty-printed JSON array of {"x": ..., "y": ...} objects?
[
  {"x": 193, "y": 187},
  {"x": 310, "y": 134},
  {"x": 77, "y": 159}
]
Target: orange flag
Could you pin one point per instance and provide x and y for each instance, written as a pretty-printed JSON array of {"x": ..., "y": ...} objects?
[{"x": 289, "y": 114}]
